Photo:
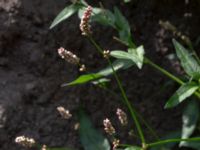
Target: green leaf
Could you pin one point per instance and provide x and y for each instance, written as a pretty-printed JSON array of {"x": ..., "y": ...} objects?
[
  {"x": 65, "y": 13},
  {"x": 95, "y": 11},
  {"x": 84, "y": 79},
  {"x": 101, "y": 81},
  {"x": 117, "y": 65},
  {"x": 139, "y": 52},
  {"x": 188, "y": 62},
  {"x": 120, "y": 21},
  {"x": 122, "y": 25},
  {"x": 189, "y": 118},
  {"x": 136, "y": 55},
  {"x": 103, "y": 16},
  {"x": 181, "y": 94},
  {"x": 133, "y": 148},
  {"x": 91, "y": 139}
]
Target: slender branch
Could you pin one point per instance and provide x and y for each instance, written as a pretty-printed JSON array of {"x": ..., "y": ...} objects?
[
  {"x": 168, "y": 74},
  {"x": 151, "y": 130},
  {"x": 148, "y": 61},
  {"x": 173, "y": 141},
  {"x": 132, "y": 111},
  {"x": 127, "y": 102}
]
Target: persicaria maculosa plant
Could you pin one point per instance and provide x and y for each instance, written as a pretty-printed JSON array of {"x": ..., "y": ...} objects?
[{"x": 134, "y": 56}]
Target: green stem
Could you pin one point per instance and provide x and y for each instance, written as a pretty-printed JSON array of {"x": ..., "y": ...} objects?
[
  {"x": 148, "y": 61},
  {"x": 132, "y": 111},
  {"x": 100, "y": 50},
  {"x": 172, "y": 141},
  {"x": 151, "y": 130}
]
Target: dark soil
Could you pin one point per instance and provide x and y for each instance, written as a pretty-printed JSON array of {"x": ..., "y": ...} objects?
[{"x": 31, "y": 71}]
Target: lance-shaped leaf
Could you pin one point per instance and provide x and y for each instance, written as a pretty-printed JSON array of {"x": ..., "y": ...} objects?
[
  {"x": 65, "y": 13},
  {"x": 84, "y": 79},
  {"x": 122, "y": 25},
  {"x": 189, "y": 118},
  {"x": 117, "y": 65},
  {"x": 181, "y": 94},
  {"x": 136, "y": 55},
  {"x": 120, "y": 21},
  {"x": 105, "y": 17},
  {"x": 101, "y": 82},
  {"x": 188, "y": 62},
  {"x": 91, "y": 139}
]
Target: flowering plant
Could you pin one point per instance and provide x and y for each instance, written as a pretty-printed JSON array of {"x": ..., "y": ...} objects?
[{"x": 134, "y": 56}]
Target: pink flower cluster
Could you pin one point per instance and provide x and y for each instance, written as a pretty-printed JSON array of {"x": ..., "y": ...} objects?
[
  {"x": 68, "y": 56},
  {"x": 108, "y": 127},
  {"x": 84, "y": 25}
]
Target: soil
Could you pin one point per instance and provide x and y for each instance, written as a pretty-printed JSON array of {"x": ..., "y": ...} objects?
[{"x": 31, "y": 71}]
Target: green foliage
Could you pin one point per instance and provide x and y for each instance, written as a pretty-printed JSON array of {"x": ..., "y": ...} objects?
[
  {"x": 117, "y": 65},
  {"x": 65, "y": 13},
  {"x": 122, "y": 25},
  {"x": 115, "y": 20},
  {"x": 190, "y": 118},
  {"x": 91, "y": 139},
  {"x": 188, "y": 62},
  {"x": 84, "y": 79},
  {"x": 181, "y": 94},
  {"x": 104, "y": 17},
  {"x": 96, "y": 13},
  {"x": 101, "y": 82},
  {"x": 135, "y": 55}
]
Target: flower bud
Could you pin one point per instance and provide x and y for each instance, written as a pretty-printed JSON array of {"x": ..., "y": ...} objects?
[
  {"x": 64, "y": 113},
  {"x": 122, "y": 116},
  {"x": 25, "y": 141},
  {"x": 115, "y": 143},
  {"x": 106, "y": 54},
  {"x": 108, "y": 127},
  {"x": 68, "y": 56}
]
